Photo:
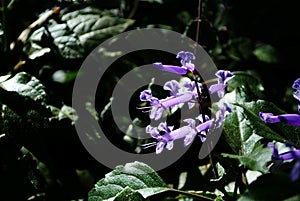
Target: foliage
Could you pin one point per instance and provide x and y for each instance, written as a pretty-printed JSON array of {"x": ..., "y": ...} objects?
[{"x": 44, "y": 43}]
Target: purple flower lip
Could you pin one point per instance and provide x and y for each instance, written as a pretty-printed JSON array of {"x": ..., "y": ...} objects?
[
  {"x": 223, "y": 78},
  {"x": 292, "y": 119},
  {"x": 296, "y": 84}
]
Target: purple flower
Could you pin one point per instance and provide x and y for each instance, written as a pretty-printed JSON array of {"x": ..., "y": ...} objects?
[
  {"x": 296, "y": 84},
  {"x": 293, "y": 119},
  {"x": 200, "y": 130},
  {"x": 222, "y": 113},
  {"x": 186, "y": 60},
  {"x": 171, "y": 69},
  {"x": 223, "y": 78},
  {"x": 187, "y": 65},
  {"x": 176, "y": 98},
  {"x": 146, "y": 95},
  {"x": 294, "y": 154},
  {"x": 166, "y": 139}
]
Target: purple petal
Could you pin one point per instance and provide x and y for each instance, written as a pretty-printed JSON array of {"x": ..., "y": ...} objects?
[
  {"x": 191, "y": 105},
  {"x": 294, "y": 154},
  {"x": 204, "y": 126},
  {"x": 296, "y": 84},
  {"x": 268, "y": 117},
  {"x": 190, "y": 122},
  {"x": 156, "y": 112},
  {"x": 202, "y": 136},
  {"x": 160, "y": 146},
  {"x": 200, "y": 118},
  {"x": 189, "y": 138},
  {"x": 224, "y": 76},
  {"x": 186, "y": 57},
  {"x": 216, "y": 88},
  {"x": 146, "y": 95},
  {"x": 296, "y": 95},
  {"x": 169, "y": 145},
  {"x": 170, "y": 68},
  {"x": 172, "y": 86},
  {"x": 295, "y": 171},
  {"x": 292, "y": 119},
  {"x": 180, "y": 132},
  {"x": 164, "y": 127},
  {"x": 190, "y": 67},
  {"x": 275, "y": 150},
  {"x": 176, "y": 100},
  {"x": 153, "y": 132}
]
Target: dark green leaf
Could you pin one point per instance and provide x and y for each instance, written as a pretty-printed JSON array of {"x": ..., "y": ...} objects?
[
  {"x": 279, "y": 131},
  {"x": 221, "y": 172},
  {"x": 93, "y": 26},
  {"x": 271, "y": 187},
  {"x": 266, "y": 53},
  {"x": 78, "y": 33},
  {"x": 256, "y": 160},
  {"x": 133, "y": 175},
  {"x": 154, "y": 1}
]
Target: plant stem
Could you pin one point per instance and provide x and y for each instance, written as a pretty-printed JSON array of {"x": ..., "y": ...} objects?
[
  {"x": 198, "y": 22},
  {"x": 4, "y": 25}
]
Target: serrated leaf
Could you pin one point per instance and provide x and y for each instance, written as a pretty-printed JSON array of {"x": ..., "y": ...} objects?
[
  {"x": 78, "y": 33},
  {"x": 129, "y": 194},
  {"x": 93, "y": 26},
  {"x": 26, "y": 85},
  {"x": 279, "y": 131},
  {"x": 256, "y": 160},
  {"x": 134, "y": 175},
  {"x": 238, "y": 133}
]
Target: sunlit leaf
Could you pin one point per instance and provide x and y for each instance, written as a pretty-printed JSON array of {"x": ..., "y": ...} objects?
[
  {"x": 125, "y": 180},
  {"x": 256, "y": 160}
]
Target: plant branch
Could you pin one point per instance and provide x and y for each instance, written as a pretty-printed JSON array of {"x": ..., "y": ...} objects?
[{"x": 4, "y": 25}]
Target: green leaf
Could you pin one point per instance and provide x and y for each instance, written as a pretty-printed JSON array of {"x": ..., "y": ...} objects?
[
  {"x": 154, "y": 1},
  {"x": 266, "y": 53},
  {"x": 279, "y": 131},
  {"x": 271, "y": 187},
  {"x": 256, "y": 160},
  {"x": 221, "y": 172},
  {"x": 93, "y": 26},
  {"x": 128, "y": 178},
  {"x": 77, "y": 34}
]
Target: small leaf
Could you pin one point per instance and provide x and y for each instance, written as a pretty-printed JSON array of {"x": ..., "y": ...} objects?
[
  {"x": 221, "y": 172},
  {"x": 256, "y": 160},
  {"x": 266, "y": 53}
]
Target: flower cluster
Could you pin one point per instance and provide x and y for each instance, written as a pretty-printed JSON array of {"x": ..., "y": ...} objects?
[
  {"x": 188, "y": 92},
  {"x": 293, "y": 119}
]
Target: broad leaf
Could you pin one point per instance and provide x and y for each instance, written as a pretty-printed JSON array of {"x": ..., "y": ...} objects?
[
  {"x": 278, "y": 131},
  {"x": 266, "y": 53},
  {"x": 128, "y": 178},
  {"x": 77, "y": 33},
  {"x": 271, "y": 187},
  {"x": 256, "y": 160}
]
